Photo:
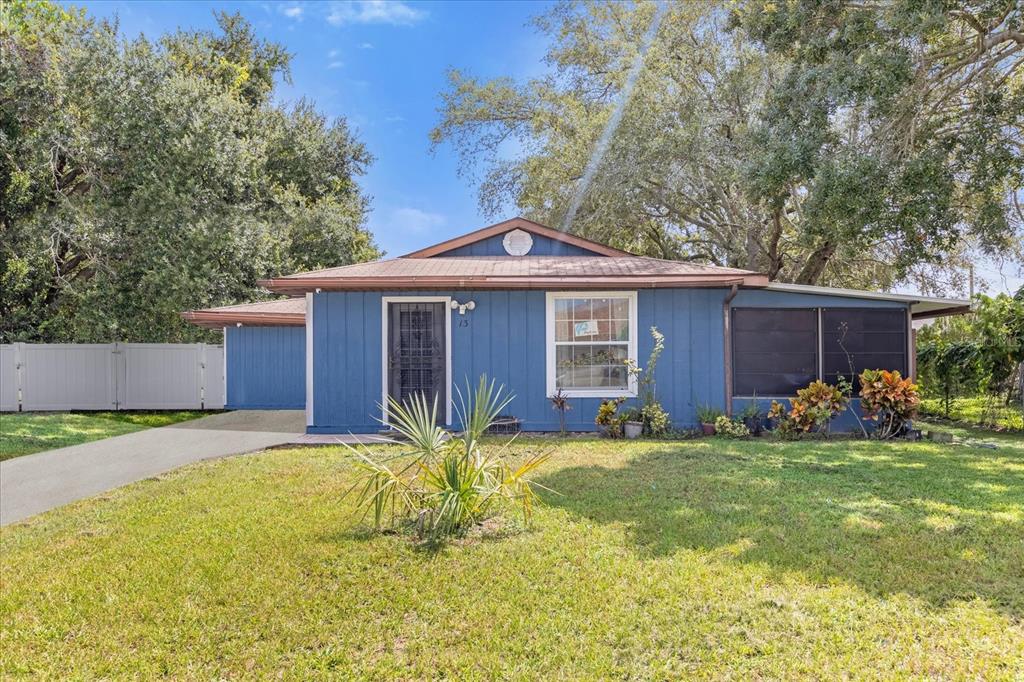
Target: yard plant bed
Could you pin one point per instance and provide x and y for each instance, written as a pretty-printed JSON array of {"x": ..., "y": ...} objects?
[
  {"x": 22, "y": 433},
  {"x": 706, "y": 558}
]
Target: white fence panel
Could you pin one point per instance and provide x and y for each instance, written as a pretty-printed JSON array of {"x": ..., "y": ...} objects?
[
  {"x": 112, "y": 376},
  {"x": 8, "y": 377},
  {"x": 161, "y": 376},
  {"x": 214, "y": 383},
  {"x": 59, "y": 376}
]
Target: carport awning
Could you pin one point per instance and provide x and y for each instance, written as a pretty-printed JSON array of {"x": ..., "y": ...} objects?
[
  {"x": 921, "y": 307},
  {"x": 282, "y": 312}
]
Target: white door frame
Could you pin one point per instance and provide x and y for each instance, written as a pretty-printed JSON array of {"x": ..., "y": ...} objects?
[{"x": 384, "y": 301}]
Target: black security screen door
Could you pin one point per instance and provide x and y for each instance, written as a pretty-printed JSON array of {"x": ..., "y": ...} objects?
[{"x": 416, "y": 353}]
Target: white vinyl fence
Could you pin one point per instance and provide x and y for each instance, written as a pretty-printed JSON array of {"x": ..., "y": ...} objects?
[{"x": 111, "y": 376}]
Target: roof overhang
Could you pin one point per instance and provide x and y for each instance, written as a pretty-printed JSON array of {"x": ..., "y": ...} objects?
[
  {"x": 295, "y": 285},
  {"x": 921, "y": 307},
  {"x": 217, "y": 319}
]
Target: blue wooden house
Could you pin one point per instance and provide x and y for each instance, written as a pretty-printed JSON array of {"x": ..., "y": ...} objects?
[{"x": 542, "y": 311}]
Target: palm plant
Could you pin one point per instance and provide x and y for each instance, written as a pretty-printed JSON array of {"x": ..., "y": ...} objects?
[{"x": 445, "y": 483}]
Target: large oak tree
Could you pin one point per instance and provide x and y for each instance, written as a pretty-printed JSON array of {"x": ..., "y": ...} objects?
[
  {"x": 839, "y": 142},
  {"x": 139, "y": 178}
]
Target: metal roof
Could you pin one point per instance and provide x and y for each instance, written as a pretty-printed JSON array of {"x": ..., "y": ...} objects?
[
  {"x": 282, "y": 312},
  {"x": 921, "y": 307},
  {"x": 516, "y": 272},
  {"x": 426, "y": 269}
]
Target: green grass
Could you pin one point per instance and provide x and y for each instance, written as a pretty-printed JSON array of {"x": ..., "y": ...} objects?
[
  {"x": 977, "y": 412},
  {"x": 23, "y": 433},
  {"x": 709, "y": 559}
]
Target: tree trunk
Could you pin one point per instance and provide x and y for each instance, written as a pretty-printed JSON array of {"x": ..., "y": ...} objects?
[
  {"x": 816, "y": 263},
  {"x": 774, "y": 257}
]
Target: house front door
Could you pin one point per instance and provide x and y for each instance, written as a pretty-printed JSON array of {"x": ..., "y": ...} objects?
[{"x": 417, "y": 353}]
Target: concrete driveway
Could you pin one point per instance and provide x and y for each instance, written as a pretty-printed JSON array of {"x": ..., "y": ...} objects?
[{"x": 35, "y": 483}]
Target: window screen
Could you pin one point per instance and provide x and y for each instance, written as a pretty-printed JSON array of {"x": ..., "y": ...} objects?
[
  {"x": 774, "y": 350},
  {"x": 874, "y": 338}
]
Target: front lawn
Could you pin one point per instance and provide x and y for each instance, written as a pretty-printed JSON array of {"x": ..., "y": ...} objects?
[
  {"x": 22, "y": 433},
  {"x": 705, "y": 558}
]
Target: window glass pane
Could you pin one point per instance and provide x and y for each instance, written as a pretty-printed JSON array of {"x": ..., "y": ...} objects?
[
  {"x": 620, "y": 308},
  {"x": 601, "y": 308},
  {"x": 563, "y": 309},
  {"x": 590, "y": 366},
  {"x": 581, "y": 309},
  {"x": 563, "y": 330}
]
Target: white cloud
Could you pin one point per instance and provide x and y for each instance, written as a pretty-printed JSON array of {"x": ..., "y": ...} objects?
[
  {"x": 393, "y": 119},
  {"x": 292, "y": 11},
  {"x": 414, "y": 220},
  {"x": 336, "y": 65},
  {"x": 373, "y": 12},
  {"x": 365, "y": 46}
]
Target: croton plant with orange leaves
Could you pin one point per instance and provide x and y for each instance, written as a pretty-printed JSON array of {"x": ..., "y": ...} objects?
[
  {"x": 889, "y": 399},
  {"x": 811, "y": 409}
]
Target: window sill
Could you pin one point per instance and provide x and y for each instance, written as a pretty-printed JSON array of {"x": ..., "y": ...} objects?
[{"x": 596, "y": 393}]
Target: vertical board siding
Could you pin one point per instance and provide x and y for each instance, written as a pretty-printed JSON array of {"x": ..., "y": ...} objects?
[
  {"x": 266, "y": 368},
  {"x": 542, "y": 246},
  {"x": 504, "y": 338}
]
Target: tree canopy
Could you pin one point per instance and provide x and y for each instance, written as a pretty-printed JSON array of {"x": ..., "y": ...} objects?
[
  {"x": 141, "y": 178},
  {"x": 839, "y": 142}
]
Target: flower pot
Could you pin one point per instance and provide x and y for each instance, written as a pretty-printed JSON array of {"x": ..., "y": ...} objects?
[
  {"x": 708, "y": 429},
  {"x": 633, "y": 429}
]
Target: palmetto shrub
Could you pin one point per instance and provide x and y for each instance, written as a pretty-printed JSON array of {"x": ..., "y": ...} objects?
[{"x": 444, "y": 483}]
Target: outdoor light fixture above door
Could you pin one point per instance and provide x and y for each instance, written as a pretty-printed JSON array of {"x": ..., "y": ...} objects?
[{"x": 463, "y": 307}]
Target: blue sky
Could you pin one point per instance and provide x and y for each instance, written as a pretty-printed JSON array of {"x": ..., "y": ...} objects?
[{"x": 381, "y": 66}]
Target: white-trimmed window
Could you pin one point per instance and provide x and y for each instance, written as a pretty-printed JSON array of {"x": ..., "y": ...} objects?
[{"x": 590, "y": 335}]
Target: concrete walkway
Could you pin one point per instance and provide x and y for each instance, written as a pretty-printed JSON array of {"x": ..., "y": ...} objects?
[{"x": 35, "y": 483}]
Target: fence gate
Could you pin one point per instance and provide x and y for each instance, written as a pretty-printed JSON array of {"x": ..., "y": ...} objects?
[{"x": 111, "y": 376}]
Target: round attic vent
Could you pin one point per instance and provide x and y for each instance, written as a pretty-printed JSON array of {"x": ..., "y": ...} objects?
[{"x": 517, "y": 243}]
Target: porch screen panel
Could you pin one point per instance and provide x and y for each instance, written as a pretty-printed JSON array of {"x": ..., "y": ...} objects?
[
  {"x": 874, "y": 338},
  {"x": 774, "y": 350}
]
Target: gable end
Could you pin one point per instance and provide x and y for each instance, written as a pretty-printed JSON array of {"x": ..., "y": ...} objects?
[{"x": 489, "y": 242}]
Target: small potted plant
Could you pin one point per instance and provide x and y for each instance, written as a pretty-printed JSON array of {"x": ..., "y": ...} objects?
[
  {"x": 707, "y": 415},
  {"x": 633, "y": 424},
  {"x": 751, "y": 416},
  {"x": 609, "y": 422}
]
